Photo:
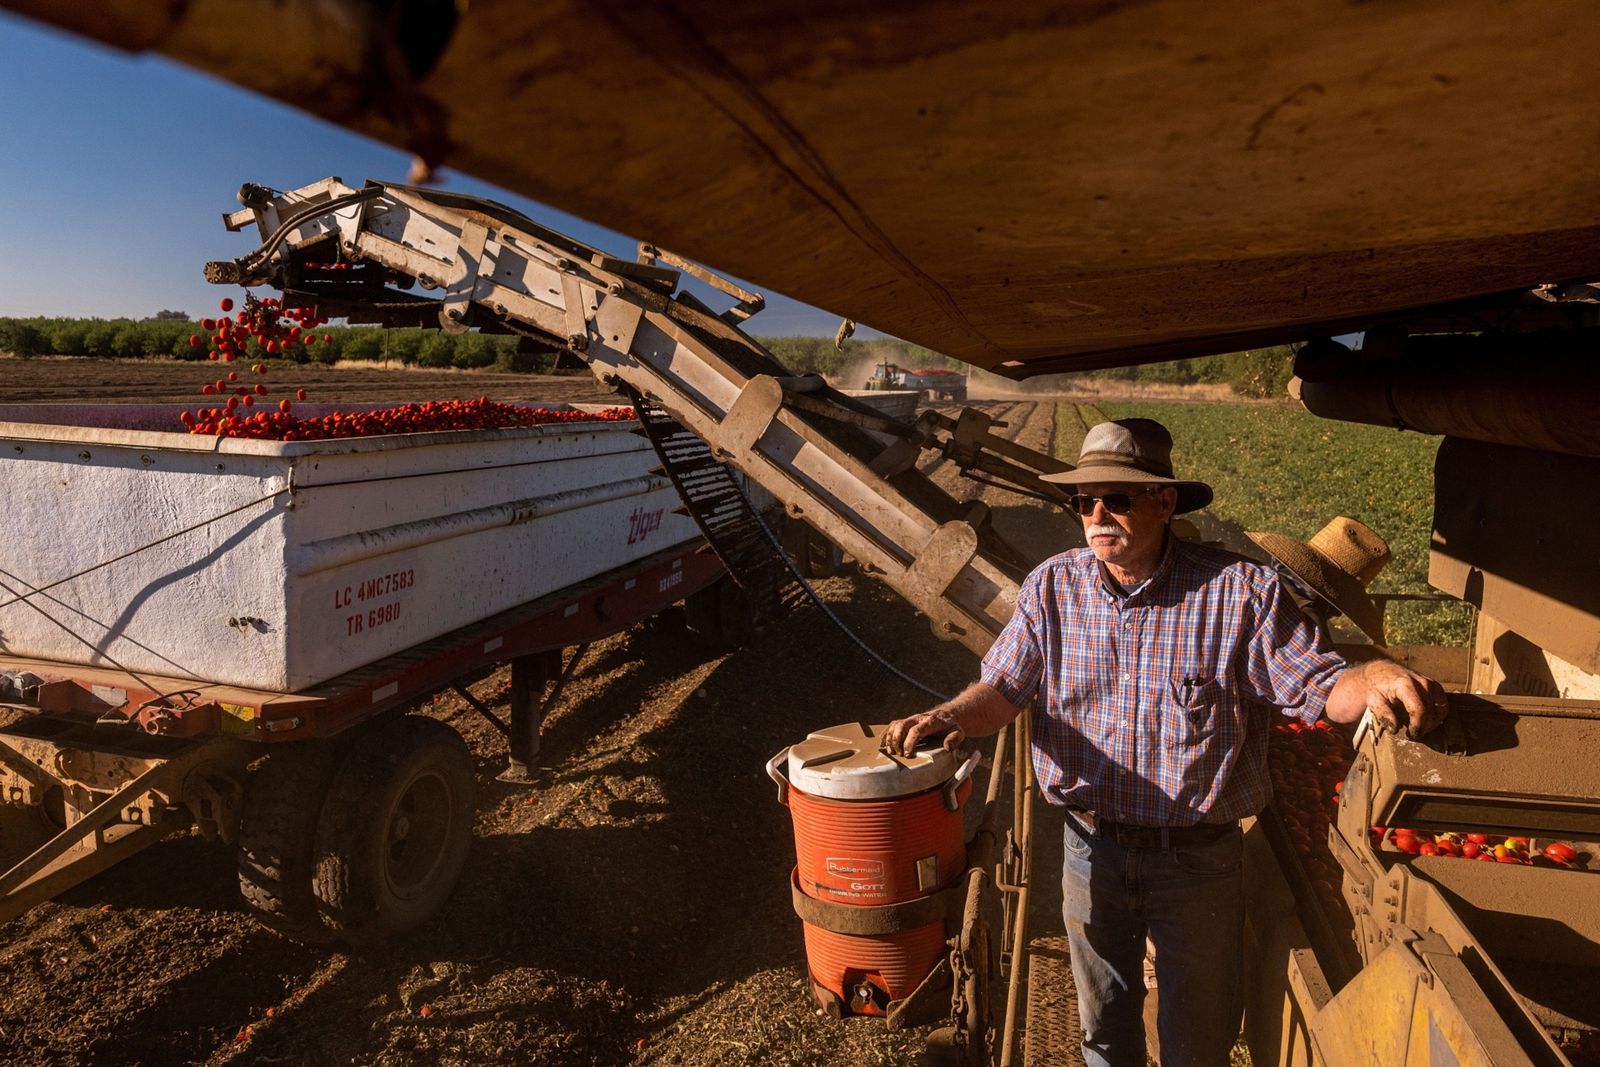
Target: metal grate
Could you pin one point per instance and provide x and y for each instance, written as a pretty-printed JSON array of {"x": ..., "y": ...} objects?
[
  {"x": 1053, "y": 1037},
  {"x": 715, "y": 501}
]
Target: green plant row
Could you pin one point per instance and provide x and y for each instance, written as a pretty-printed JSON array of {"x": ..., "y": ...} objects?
[
  {"x": 1284, "y": 470},
  {"x": 169, "y": 336}
]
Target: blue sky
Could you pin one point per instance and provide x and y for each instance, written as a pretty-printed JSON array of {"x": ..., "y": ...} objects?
[{"x": 115, "y": 171}]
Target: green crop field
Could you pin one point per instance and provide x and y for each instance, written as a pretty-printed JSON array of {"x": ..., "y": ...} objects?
[{"x": 1279, "y": 468}]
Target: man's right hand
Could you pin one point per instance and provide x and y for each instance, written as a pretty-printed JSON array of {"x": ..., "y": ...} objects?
[{"x": 905, "y": 736}]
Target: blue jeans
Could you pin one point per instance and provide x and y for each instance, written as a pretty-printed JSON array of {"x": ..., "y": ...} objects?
[{"x": 1190, "y": 902}]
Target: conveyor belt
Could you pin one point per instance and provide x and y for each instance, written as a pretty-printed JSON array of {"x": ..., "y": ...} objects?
[{"x": 721, "y": 509}]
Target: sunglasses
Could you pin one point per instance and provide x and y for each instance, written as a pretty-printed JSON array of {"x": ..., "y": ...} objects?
[{"x": 1116, "y": 503}]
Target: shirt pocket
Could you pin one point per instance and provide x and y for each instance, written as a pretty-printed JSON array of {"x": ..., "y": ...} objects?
[{"x": 1196, "y": 709}]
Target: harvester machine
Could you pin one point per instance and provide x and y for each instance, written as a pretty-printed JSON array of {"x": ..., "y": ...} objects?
[
  {"x": 934, "y": 383},
  {"x": 1426, "y": 959}
]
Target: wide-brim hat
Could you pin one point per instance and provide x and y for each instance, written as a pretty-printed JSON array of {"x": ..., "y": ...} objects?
[
  {"x": 1337, "y": 564},
  {"x": 1135, "y": 451}
]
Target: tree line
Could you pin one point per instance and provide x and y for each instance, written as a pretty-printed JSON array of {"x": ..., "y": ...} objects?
[{"x": 1263, "y": 372}]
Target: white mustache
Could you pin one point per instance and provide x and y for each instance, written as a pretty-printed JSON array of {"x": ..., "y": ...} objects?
[{"x": 1106, "y": 530}]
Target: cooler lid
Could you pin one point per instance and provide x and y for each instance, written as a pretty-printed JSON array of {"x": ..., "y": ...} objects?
[{"x": 845, "y": 763}]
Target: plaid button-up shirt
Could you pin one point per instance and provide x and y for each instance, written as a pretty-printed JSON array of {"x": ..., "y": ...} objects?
[{"x": 1153, "y": 708}]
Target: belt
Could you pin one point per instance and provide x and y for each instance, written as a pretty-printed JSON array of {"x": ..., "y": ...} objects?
[{"x": 1129, "y": 836}]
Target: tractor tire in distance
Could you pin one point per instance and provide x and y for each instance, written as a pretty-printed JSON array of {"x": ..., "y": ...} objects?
[
  {"x": 277, "y": 831},
  {"x": 394, "y": 830}
]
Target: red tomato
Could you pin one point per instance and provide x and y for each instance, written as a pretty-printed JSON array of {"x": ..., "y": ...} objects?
[
  {"x": 1471, "y": 850},
  {"x": 226, "y": 304},
  {"x": 1560, "y": 852}
]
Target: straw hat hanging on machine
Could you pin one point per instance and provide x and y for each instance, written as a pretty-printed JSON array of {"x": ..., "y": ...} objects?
[{"x": 1337, "y": 564}]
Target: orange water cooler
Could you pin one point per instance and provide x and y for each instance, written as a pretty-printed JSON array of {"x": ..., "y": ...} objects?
[{"x": 880, "y": 851}]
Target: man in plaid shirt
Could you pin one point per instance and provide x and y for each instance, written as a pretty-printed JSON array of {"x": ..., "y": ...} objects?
[{"x": 1153, "y": 667}]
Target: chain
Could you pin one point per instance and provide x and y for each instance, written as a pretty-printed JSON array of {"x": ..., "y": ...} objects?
[{"x": 958, "y": 1002}]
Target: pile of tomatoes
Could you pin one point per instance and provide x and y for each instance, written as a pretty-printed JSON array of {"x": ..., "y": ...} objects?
[
  {"x": 1308, "y": 765},
  {"x": 243, "y": 409},
  {"x": 266, "y": 321},
  {"x": 1453, "y": 844},
  {"x": 431, "y": 416}
]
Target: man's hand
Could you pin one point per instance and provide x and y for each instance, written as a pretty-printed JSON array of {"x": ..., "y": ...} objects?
[
  {"x": 1401, "y": 698},
  {"x": 978, "y": 710},
  {"x": 905, "y": 736}
]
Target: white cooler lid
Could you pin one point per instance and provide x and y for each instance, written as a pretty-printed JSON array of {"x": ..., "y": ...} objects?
[{"x": 844, "y": 763}]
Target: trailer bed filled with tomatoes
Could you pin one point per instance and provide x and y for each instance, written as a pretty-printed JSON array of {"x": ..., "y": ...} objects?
[{"x": 379, "y": 526}]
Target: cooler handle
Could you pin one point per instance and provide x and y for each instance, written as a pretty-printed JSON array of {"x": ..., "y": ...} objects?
[
  {"x": 962, "y": 774},
  {"x": 778, "y": 776}
]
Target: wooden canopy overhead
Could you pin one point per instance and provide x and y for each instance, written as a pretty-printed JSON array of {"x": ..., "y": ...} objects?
[{"x": 1028, "y": 188}]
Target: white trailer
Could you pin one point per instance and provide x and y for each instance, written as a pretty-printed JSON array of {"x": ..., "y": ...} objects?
[
  {"x": 280, "y": 564},
  {"x": 220, "y": 633}
]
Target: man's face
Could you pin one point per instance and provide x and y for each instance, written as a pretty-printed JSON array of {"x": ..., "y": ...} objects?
[{"x": 1135, "y": 536}]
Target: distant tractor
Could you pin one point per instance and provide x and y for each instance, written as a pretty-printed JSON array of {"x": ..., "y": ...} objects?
[{"x": 934, "y": 383}]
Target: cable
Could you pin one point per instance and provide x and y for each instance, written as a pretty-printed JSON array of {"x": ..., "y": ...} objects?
[
  {"x": 35, "y": 590},
  {"x": 133, "y": 552},
  {"x": 829, "y": 612},
  {"x": 65, "y": 628},
  {"x": 326, "y": 207}
]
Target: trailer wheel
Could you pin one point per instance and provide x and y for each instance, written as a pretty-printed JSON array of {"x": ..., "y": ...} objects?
[
  {"x": 394, "y": 830},
  {"x": 276, "y": 832},
  {"x": 23, "y": 828}
]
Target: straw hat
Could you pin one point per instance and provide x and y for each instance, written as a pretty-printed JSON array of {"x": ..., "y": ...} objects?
[
  {"x": 1136, "y": 451},
  {"x": 1337, "y": 564}
]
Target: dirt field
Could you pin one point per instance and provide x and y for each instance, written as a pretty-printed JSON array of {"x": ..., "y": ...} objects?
[{"x": 631, "y": 908}]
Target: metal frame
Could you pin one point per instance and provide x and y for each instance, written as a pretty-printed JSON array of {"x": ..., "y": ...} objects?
[
  {"x": 173, "y": 753},
  {"x": 497, "y": 270}
]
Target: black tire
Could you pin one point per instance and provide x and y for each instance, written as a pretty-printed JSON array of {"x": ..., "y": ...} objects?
[
  {"x": 277, "y": 830},
  {"x": 23, "y": 828},
  {"x": 395, "y": 829}
]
